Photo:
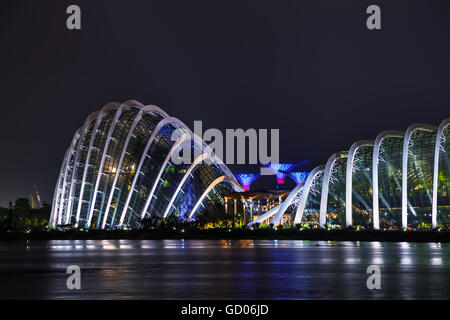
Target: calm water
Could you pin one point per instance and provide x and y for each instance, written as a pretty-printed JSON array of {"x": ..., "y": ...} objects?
[{"x": 215, "y": 269}]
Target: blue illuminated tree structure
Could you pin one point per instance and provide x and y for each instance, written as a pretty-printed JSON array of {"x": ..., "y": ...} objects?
[{"x": 246, "y": 179}]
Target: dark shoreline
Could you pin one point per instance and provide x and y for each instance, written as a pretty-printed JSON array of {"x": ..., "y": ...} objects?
[{"x": 237, "y": 234}]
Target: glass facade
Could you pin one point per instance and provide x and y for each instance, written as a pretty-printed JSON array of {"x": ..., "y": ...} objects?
[
  {"x": 335, "y": 202},
  {"x": 390, "y": 179}
]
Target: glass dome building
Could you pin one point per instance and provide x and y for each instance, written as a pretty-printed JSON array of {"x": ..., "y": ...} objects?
[
  {"x": 399, "y": 180},
  {"x": 121, "y": 168}
]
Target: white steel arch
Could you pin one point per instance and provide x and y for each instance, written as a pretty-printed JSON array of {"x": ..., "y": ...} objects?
[
  {"x": 279, "y": 210},
  {"x": 129, "y": 103},
  {"x": 187, "y": 137},
  {"x": 136, "y": 120},
  {"x": 59, "y": 196},
  {"x": 57, "y": 188},
  {"x": 349, "y": 178},
  {"x": 145, "y": 110},
  {"x": 102, "y": 162},
  {"x": 64, "y": 199},
  {"x": 220, "y": 179},
  {"x": 148, "y": 108},
  {"x": 111, "y": 105},
  {"x": 444, "y": 124},
  {"x": 375, "y": 161},
  {"x": 207, "y": 154},
  {"x": 183, "y": 138},
  {"x": 83, "y": 130},
  {"x": 282, "y": 207},
  {"x": 305, "y": 192},
  {"x": 269, "y": 213},
  {"x": 196, "y": 162},
  {"x": 326, "y": 185},
  {"x": 409, "y": 132}
]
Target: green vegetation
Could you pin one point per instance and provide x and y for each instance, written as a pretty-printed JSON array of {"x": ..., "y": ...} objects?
[
  {"x": 20, "y": 217},
  {"x": 213, "y": 219},
  {"x": 229, "y": 234}
]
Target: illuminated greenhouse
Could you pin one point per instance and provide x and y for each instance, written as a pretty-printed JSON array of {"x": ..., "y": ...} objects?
[
  {"x": 400, "y": 180},
  {"x": 121, "y": 167}
]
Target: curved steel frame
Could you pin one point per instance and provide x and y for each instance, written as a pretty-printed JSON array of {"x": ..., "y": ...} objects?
[
  {"x": 377, "y": 145},
  {"x": 145, "y": 109},
  {"x": 56, "y": 192},
  {"x": 67, "y": 181},
  {"x": 187, "y": 137},
  {"x": 102, "y": 162},
  {"x": 210, "y": 187},
  {"x": 285, "y": 204},
  {"x": 74, "y": 151},
  {"x": 326, "y": 185},
  {"x": 178, "y": 143},
  {"x": 65, "y": 166},
  {"x": 75, "y": 167},
  {"x": 305, "y": 193},
  {"x": 160, "y": 125},
  {"x": 349, "y": 178},
  {"x": 111, "y": 105},
  {"x": 57, "y": 213},
  {"x": 196, "y": 162},
  {"x": 119, "y": 165}
]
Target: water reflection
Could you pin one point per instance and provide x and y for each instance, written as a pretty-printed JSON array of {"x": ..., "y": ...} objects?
[{"x": 223, "y": 269}]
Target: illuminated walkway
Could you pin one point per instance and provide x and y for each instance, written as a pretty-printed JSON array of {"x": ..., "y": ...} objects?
[{"x": 119, "y": 170}]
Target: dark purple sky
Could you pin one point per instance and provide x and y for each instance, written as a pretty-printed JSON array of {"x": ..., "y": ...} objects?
[{"x": 310, "y": 68}]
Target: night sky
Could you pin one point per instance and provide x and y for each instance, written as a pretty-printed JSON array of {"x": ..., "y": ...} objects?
[{"x": 310, "y": 68}]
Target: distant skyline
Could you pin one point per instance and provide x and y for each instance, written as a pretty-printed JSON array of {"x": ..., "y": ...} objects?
[{"x": 310, "y": 68}]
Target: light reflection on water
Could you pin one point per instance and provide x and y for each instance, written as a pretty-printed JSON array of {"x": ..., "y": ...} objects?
[{"x": 223, "y": 269}]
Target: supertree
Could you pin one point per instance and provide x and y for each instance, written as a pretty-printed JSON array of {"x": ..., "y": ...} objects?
[
  {"x": 246, "y": 179},
  {"x": 299, "y": 176}
]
